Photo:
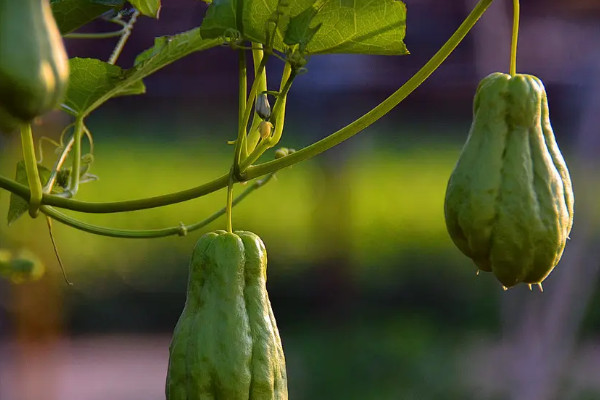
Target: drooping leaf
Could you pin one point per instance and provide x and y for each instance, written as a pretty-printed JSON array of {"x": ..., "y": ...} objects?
[
  {"x": 71, "y": 14},
  {"x": 319, "y": 26},
  {"x": 91, "y": 80},
  {"x": 149, "y": 8}
]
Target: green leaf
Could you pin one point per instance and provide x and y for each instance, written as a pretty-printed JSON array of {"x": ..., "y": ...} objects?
[
  {"x": 18, "y": 206},
  {"x": 150, "y": 8},
  {"x": 250, "y": 18},
  {"x": 299, "y": 30},
  {"x": 319, "y": 27},
  {"x": 91, "y": 82},
  {"x": 71, "y": 14}
]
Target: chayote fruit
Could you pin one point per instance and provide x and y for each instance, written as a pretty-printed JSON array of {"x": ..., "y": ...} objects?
[
  {"x": 509, "y": 200},
  {"x": 34, "y": 68},
  {"x": 226, "y": 345}
]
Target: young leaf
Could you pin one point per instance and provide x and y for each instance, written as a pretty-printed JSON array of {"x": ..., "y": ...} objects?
[
  {"x": 149, "y": 8},
  {"x": 71, "y": 14},
  {"x": 221, "y": 18},
  {"x": 320, "y": 26}
]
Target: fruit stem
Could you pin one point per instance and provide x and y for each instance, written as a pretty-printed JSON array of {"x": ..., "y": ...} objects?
[
  {"x": 229, "y": 204},
  {"x": 515, "y": 38},
  {"x": 240, "y": 143}
]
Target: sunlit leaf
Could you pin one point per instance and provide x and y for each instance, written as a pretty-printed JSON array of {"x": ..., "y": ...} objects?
[
  {"x": 301, "y": 28},
  {"x": 321, "y": 26},
  {"x": 92, "y": 80}
]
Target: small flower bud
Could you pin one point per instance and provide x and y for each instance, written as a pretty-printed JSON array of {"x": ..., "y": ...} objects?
[
  {"x": 263, "y": 108},
  {"x": 265, "y": 128}
]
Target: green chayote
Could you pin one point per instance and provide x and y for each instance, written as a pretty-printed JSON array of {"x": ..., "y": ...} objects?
[
  {"x": 34, "y": 68},
  {"x": 226, "y": 345},
  {"x": 509, "y": 200}
]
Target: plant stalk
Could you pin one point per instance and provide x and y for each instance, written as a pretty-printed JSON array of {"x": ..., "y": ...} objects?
[
  {"x": 33, "y": 176},
  {"x": 180, "y": 230},
  {"x": 515, "y": 38}
]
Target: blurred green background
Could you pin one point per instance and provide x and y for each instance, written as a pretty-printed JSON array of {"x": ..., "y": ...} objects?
[{"x": 372, "y": 299}]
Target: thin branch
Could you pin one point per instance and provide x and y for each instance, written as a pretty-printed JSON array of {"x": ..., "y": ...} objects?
[{"x": 180, "y": 230}]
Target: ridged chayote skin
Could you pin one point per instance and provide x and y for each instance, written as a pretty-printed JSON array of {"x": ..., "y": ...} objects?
[
  {"x": 226, "y": 345},
  {"x": 509, "y": 200}
]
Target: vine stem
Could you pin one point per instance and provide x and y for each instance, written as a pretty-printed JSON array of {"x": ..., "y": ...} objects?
[
  {"x": 515, "y": 38},
  {"x": 76, "y": 166},
  {"x": 253, "y": 91},
  {"x": 126, "y": 33},
  {"x": 180, "y": 230},
  {"x": 229, "y": 204},
  {"x": 253, "y": 135},
  {"x": 102, "y": 35},
  {"x": 242, "y": 88},
  {"x": 118, "y": 206},
  {"x": 287, "y": 78},
  {"x": 240, "y": 142},
  {"x": 33, "y": 176},
  {"x": 270, "y": 166},
  {"x": 58, "y": 165},
  {"x": 278, "y": 116}
]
